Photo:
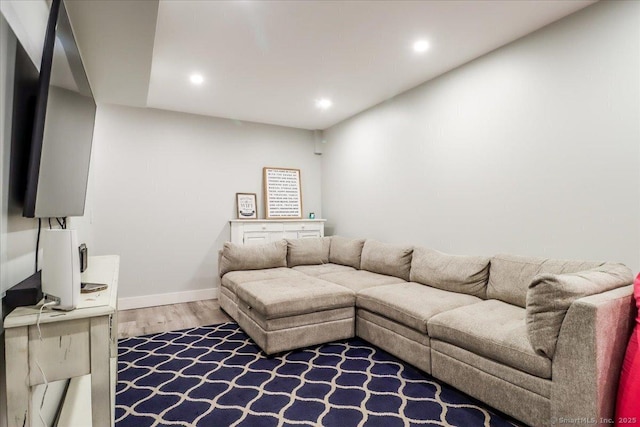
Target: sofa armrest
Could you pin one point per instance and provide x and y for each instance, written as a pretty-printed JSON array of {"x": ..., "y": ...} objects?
[
  {"x": 588, "y": 358},
  {"x": 220, "y": 263}
]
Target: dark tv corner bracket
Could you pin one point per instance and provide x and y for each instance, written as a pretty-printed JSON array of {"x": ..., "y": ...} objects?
[{"x": 27, "y": 292}]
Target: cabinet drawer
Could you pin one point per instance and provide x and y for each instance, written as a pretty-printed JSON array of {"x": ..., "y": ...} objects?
[
  {"x": 262, "y": 226},
  {"x": 303, "y": 226}
]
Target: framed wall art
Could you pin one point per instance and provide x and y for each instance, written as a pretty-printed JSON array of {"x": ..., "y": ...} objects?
[
  {"x": 282, "y": 193},
  {"x": 247, "y": 207}
]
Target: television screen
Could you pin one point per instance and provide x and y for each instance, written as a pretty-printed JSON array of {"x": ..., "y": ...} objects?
[
  {"x": 25, "y": 93},
  {"x": 63, "y": 126}
]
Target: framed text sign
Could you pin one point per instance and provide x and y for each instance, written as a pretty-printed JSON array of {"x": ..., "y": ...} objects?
[
  {"x": 246, "y": 206},
  {"x": 282, "y": 193}
]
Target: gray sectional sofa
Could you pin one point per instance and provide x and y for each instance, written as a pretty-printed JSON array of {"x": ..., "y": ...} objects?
[{"x": 539, "y": 339}]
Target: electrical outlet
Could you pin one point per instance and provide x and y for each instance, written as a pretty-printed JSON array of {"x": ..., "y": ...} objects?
[{"x": 50, "y": 298}]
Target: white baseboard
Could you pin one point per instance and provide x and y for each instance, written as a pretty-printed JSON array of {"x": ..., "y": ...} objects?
[{"x": 166, "y": 299}]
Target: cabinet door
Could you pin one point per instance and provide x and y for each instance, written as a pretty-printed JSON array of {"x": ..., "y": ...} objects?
[
  {"x": 256, "y": 238},
  {"x": 313, "y": 234},
  {"x": 299, "y": 234},
  {"x": 290, "y": 235},
  {"x": 303, "y": 230}
]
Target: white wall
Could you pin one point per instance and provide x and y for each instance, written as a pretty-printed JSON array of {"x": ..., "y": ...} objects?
[
  {"x": 532, "y": 149},
  {"x": 163, "y": 189},
  {"x": 17, "y": 234},
  {"x": 28, "y": 21}
]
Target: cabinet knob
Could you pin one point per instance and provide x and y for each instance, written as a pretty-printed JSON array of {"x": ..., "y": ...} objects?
[
  {"x": 303, "y": 227},
  {"x": 264, "y": 227}
]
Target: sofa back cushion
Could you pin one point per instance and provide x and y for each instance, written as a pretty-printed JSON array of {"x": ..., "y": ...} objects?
[
  {"x": 345, "y": 251},
  {"x": 252, "y": 257},
  {"x": 510, "y": 275},
  {"x": 455, "y": 273},
  {"x": 550, "y": 296},
  {"x": 311, "y": 251},
  {"x": 387, "y": 258}
]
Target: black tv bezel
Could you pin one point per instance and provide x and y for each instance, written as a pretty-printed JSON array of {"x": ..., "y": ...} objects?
[{"x": 37, "y": 140}]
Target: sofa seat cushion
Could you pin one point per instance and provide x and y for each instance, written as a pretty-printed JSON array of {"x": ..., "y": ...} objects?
[
  {"x": 492, "y": 329},
  {"x": 360, "y": 279},
  {"x": 318, "y": 270},
  {"x": 411, "y": 304},
  {"x": 232, "y": 279},
  {"x": 291, "y": 296},
  {"x": 537, "y": 385}
]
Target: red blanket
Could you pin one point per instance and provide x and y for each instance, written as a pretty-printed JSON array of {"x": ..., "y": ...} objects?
[{"x": 628, "y": 404}]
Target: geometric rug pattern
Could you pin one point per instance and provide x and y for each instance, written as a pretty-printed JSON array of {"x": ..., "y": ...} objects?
[{"x": 216, "y": 376}]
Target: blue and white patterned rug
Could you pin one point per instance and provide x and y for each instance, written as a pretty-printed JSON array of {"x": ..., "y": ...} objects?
[{"x": 216, "y": 376}]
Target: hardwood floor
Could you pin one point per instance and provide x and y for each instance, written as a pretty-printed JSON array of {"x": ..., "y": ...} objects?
[{"x": 151, "y": 320}]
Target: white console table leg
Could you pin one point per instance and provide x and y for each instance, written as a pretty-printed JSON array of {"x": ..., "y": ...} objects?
[
  {"x": 100, "y": 372},
  {"x": 19, "y": 409}
]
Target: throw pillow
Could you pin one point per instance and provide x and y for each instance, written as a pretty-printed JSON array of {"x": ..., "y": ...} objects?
[
  {"x": 456, "y": 273},
  {"x": 308, "y": 251},
  {"x": 550, "y": 296},
  {"x": 252, "y": 257},
  {"x": 387, "y": 258},
  {"x": 345, "y": 251}
]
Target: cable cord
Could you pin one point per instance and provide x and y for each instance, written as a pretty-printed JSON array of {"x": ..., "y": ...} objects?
[
  {"x": 47, "y": 304},
  {"x": 44, "y": 377},
  {"x": 38, "y": 242}
]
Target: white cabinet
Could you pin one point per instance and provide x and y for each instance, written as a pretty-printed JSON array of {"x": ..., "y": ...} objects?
[{"x": 256, "y": 231}]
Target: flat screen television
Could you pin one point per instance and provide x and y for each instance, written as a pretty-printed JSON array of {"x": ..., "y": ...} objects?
[
  {"x": 64, "y": 119},
  {"x": 25, "y": 93}
]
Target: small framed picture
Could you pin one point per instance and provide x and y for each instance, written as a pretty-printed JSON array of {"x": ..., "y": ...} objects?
[{"x": 247, "y": 206}]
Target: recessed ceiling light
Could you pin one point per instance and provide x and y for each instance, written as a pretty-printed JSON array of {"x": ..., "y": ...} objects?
[
  {"x": 196, "y": 79},
  {"x": 324, "y": 103},
  {"x": 421, "y": 46}
]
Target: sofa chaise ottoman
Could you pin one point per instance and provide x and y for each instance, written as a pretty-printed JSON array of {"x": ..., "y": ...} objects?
[
  {"x": 539, "y": 339},
  {"x": 284, "y": 308},
  {"x": 295, "y": 311}
]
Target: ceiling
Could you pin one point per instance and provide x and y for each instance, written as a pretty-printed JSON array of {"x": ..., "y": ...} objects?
[{"x": 270, "y": 61}]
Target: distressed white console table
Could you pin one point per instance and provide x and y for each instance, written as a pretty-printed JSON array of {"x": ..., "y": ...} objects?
[
  {"x": 253, "y": 231},
  {"x": 74, "y": 343}
]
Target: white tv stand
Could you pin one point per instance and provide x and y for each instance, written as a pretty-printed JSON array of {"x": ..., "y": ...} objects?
[{"x": 74, "y": 343}]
